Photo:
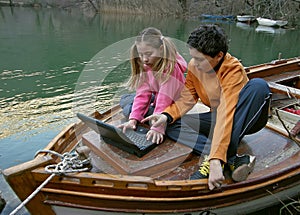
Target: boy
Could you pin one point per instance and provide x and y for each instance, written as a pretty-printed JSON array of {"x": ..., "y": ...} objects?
[{"x": 238, "y": 106}]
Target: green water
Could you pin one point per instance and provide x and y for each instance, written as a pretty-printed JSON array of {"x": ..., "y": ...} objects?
[{"x": 47, "y": 55}]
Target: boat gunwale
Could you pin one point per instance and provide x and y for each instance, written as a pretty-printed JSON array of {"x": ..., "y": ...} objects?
[
  {"x": 271, "y": 65},
  {"x": 183, "y": 185},
  {"x": 217, "y": 193}
]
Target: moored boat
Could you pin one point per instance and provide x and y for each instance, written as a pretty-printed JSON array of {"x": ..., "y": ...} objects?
[
  {"x": 271, "y": 22},
  {"x": 158, "y": 183},
  {"x": 217, "y": 17},
  {"x": 245, "y": 18}
]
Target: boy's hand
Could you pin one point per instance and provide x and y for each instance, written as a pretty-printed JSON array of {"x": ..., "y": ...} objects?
[
  {"x": 216, "y": 176},
  {"x": 156, "y": 120}
]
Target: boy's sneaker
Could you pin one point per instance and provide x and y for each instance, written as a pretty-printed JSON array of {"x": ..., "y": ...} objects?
[
  {"x": 203, "y": 170},
  {"x": 242, "y": 167}
]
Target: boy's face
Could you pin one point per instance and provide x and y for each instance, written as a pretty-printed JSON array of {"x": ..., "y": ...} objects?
[
  {"x": 148, "y": 54},
  {"x": 204, "y": 63}
]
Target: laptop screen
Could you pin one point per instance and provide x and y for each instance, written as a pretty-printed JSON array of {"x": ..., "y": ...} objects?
[
  {"x": 134, "y": 142},
  {"x": 104, "y": 129}
]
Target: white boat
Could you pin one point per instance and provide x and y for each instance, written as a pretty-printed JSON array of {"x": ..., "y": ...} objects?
[
  {"x": 245, "y": 18},
  {"x": 271, "y": 22},
  {"x": 281, "y": 23}
]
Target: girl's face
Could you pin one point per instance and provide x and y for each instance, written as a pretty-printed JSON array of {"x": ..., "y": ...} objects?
[
  {"x": 148, "y": 54},
  {"x": 204, "y": 62}
]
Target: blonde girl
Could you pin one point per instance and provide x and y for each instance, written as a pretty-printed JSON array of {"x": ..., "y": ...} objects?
[{"x": 157, "y": 75}]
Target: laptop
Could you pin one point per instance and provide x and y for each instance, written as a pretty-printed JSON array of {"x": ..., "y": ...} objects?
[{"x": 133, "y": 141}]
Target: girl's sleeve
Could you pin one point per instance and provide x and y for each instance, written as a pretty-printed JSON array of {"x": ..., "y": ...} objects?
[
  {"x": 141, "y": 102},
  {"x": 170, "y": 90}
]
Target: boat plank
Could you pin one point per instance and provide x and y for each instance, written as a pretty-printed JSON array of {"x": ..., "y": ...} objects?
[
  {"x": 269, "y": 147},
  {"x": 158, "y": 204},
  {"x": 283, "y": 89},
  {"x": 265, "y": 70}
]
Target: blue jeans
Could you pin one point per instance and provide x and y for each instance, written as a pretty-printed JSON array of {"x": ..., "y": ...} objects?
[
  {"x": 126, "y": 103},
  {"x": 251, "y": 115}
]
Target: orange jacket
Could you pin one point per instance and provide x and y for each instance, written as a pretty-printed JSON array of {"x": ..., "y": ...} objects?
[{"x": 218, "y": 90}]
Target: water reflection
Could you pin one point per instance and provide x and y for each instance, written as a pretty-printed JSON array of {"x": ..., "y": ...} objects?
[
  {"x": 245, "y": 26},
  {"x": 270, "y": 30}
]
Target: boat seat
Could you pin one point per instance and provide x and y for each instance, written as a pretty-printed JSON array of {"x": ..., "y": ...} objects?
[{"x": 159, "y": 161}]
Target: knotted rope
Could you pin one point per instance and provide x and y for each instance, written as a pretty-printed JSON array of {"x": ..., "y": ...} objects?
[{"x": 70, "y": 163}]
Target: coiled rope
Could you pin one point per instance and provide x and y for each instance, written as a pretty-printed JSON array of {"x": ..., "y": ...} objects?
[{"x": 70, "y": 163}]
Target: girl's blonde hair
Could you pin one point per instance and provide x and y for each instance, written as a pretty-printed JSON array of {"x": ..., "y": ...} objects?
[{"x": 163, "y": 67}]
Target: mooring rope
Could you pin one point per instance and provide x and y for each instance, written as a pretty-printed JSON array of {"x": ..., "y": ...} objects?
[{"x": 69, "y": 164}]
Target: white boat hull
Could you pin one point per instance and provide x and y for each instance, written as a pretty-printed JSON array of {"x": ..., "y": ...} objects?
[
  {"x": 271, "y": 22},
  {"x": 245, "y": 18}
]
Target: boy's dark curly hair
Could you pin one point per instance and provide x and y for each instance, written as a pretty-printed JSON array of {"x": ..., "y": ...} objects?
[{"x": 209, "y": 40}]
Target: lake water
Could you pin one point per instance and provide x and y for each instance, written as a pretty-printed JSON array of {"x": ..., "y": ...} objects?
[{"x": 55, "y": 63}]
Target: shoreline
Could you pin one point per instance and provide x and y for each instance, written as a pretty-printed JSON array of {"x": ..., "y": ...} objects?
[{"x": 185, "y": 9}]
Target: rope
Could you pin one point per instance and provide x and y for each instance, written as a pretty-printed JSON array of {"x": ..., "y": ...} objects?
[
  {"x": 69, "y": 164},
  {"x": 32, "y": 195}
]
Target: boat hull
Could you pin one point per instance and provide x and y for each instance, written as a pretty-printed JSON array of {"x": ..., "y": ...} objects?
[
  {"x": 240, "y": 201},
  {"x": 271, "y": 23},
  {"x": 246, "y": 18},
  {"x": 217, "y": 17},
  {"x": 243, "y": 208}
]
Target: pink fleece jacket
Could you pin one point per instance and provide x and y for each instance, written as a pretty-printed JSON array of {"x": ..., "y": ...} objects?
[{"x": 165, "y": 93}]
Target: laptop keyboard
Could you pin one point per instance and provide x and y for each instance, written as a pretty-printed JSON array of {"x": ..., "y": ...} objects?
[{"x": 138, "y": 139}]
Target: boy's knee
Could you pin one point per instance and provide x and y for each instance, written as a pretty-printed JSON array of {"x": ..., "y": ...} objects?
[{"x": 259, "y": 85}]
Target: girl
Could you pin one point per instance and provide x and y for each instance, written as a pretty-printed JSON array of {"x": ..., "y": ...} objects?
[{"x": 157, "y": 75}]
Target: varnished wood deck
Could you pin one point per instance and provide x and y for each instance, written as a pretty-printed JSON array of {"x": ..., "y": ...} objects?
[{"x": 177, "y": 162}]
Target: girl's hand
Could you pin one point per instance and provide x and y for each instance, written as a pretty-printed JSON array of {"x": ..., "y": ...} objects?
[
  {"x": 155, "y": 136},
  {"x": 131, "y": 124}
]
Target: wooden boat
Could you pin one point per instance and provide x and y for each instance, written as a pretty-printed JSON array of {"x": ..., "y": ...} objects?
[
  {"x": 245, "y": 18},
  {"x": 158, "y": 183},
  {"x": 271, "y": 22}
]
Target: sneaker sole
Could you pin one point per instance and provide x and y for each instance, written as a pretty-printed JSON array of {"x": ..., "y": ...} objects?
[{"x": 242, "y": 173}]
